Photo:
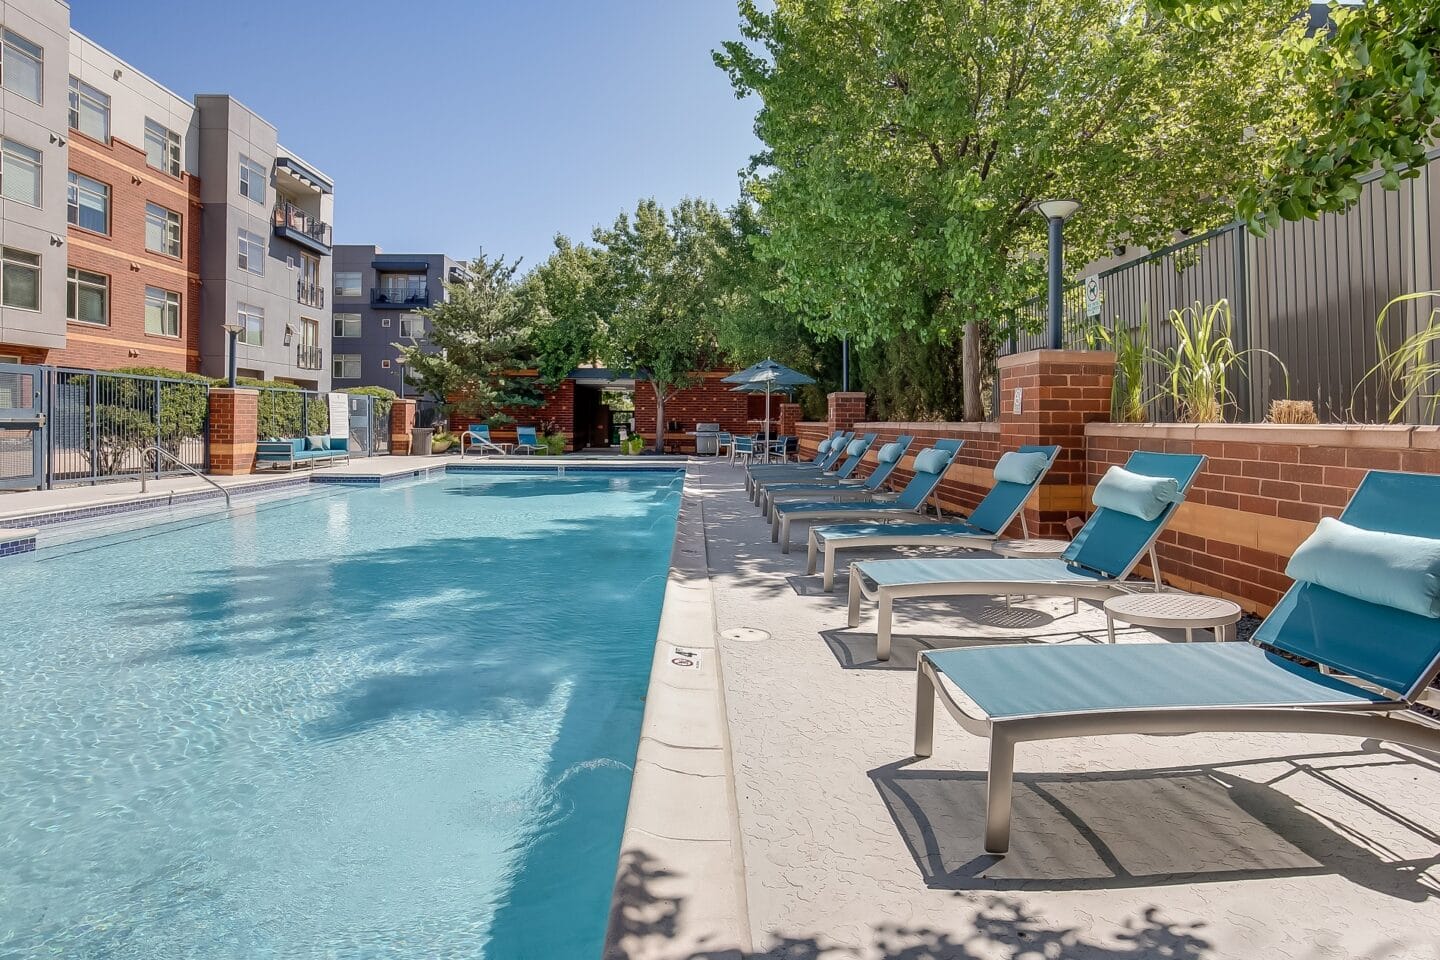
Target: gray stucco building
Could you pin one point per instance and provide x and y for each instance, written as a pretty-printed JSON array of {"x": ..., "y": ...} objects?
[{"x": 377, "y": 297}]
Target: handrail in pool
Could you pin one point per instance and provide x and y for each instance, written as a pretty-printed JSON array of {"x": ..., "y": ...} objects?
[{"x": 183, "y": 466}]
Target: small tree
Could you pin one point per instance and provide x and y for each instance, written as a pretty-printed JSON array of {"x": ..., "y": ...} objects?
[{"x": 479, "y": 335}]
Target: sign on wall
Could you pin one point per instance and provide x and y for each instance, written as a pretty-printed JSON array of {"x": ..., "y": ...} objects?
[{"x": 339, "y": 414}]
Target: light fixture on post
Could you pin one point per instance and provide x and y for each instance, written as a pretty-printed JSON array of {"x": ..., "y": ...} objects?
[
  {"x": 289, "y": 334},
  {"x": 1056, "y": 212},
  {"x": 232, "y": 329},
  {"x": 400, "y": 366}
]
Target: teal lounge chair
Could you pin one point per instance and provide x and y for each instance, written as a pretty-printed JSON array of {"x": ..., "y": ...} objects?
[
  {"x": 839, "y": 488},
  {"x": 929, "y": 470},
  {"x": 526, "y": 439},
  {"x": 827, "y": 454},
  {"x": 854, "y": 452},
  {"x": 1095, "y": 567},
  {"x": 1374, "y": 662},
  {"x": 478, "y": 437},
  {"x": 989, "y": 520}
]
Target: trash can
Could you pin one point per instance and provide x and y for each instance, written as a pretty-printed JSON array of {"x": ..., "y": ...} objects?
[{"x": 420, "y": 438}]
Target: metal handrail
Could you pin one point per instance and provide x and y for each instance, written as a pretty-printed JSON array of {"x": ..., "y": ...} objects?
[{"x": 183, "y": 466}]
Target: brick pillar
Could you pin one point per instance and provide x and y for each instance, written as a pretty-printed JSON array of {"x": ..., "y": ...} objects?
[
  {"x": 846, "y": 410},
  {"x": 1057, "y": 392},
  {"x": 789, "y": 416},
  {"x": 402, "y": 418},
  {"x": 233, "y": 423}
]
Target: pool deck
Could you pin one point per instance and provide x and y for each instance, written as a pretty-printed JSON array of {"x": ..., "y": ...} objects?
[{"x": 1203, "y": 846}]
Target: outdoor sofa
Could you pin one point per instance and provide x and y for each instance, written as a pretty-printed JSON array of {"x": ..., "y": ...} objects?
[{"x": 302, "y": 451}]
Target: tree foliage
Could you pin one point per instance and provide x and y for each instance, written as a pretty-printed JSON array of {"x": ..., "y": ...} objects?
[
  {"x": 907, "y": 140},
  {"x": 478, "y": 345}
]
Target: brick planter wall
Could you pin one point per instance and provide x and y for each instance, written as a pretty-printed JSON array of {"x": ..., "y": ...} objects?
[
  {"x": 402, "y": 418},
  {"x": 845, "y": 410},
  {"x": 790, "y": 414},
  {"x": 233, "y": 422}
]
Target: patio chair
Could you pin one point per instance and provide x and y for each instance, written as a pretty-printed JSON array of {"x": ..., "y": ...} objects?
[
  {"x": 478, "y": 435},
  {"x": 837, "y": 488},
  {"x": 930, "y": 466},
  {"x": 724, "y": 442},
  {"x": 989, "y": 520},
  {"x": 526, "y": 439},
  {"x": 784, "y": 447},
  {"x": 829, "y": 452},
  {"x": 854, "y": 453},
  {"x": 742, "y": 449},
  {"x": 1373, "y": 659},
  {"x": 1096, "y": 565}
]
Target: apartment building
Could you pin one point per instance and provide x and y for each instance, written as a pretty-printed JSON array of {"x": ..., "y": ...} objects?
[
  {"x": 136, "y": 224},
  {"x": 377, "y": 296}
]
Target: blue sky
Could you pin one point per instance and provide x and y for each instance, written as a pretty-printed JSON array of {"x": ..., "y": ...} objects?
[{"x": 452, "y": 125}]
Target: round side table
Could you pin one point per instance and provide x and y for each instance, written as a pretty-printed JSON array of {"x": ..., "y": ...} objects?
[{"x": 1185, "y": 611}]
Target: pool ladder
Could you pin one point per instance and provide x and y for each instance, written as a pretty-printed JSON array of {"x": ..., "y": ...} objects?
[{"x": 183, "y": 466}]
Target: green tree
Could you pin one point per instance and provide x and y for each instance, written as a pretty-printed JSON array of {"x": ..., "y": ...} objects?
[
  {"x": 908, "y": 139},
  {"x": 564, "y": 297},
  {"x": 480, "y": 335}
]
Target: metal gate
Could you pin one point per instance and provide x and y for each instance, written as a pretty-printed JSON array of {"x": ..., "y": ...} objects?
[
  {"x": 22, "y": 427},
  {"x": 362, "y": 439}
]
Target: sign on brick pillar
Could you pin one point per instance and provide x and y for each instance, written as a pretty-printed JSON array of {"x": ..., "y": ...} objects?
[
  {"x": 232, "y": 423},
  {"x": 790, "y": 414},
  {"x": 402, "y": 418},
  {"x": 1047, "y": 397},
  {"x": 846, "y": 410}
]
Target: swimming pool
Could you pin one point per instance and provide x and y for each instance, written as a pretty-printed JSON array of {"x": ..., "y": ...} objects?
[{"x": 391, "y": 721}]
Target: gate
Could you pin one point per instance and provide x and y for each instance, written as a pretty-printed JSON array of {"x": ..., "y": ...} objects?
[
  {"x": 362, "y": 439},
  {"x": 22, "y": 427}
]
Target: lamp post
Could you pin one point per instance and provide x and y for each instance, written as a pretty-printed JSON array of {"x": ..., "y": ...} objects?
[
  {"x": 232, "y": 329},
  {"x": 1056, "y": 212},
  {"x": 845, "y": 364},
  {"x": 400, "y": 365}
]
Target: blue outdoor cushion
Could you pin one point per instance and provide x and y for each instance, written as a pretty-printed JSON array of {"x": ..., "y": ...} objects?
[
  {"x": 317, "y": 442},
  {"x": 1016, "y": 467},
  {"x": 825, "y": 445},
  {"x": 856, "y": 447},
  {"x": 931, "y": 461},
  {"x": 891, "y": 452},
  {"x": 1391, "y": 569},
  {"x": 297, "y": 444},
  {"x": 339, "y": 443},
  {"x": 1136, "y": 494}
]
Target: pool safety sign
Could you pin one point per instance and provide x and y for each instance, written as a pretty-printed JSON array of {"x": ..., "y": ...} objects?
[
  {"x": 339, "y": 414},
  {"x": 1092, "y": 295},
  {"x": 684, "y": 659}
]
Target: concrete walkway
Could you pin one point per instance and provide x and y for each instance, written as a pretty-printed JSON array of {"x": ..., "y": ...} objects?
[{"x": 1207, "y": 846}]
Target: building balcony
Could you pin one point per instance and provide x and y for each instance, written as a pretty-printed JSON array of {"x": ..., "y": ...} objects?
[
  {"x": 309, "y": 358},
  {"x": 400, "y": 298},
  {"x": 310, "y": 293},
  {"x": 292, "y": 223}
]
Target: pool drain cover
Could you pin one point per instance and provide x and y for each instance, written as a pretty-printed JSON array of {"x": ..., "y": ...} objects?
[{"x": 746, "y": 634}]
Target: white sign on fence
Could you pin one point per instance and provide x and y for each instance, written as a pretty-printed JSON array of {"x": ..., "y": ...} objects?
[
  {"x": 1092, "y": 295},
  {"x": 339, "y": 414}
]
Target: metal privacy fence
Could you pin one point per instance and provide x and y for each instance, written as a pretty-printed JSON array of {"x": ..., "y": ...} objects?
[
  {"x": 283, "y": 413},
  {"x": 1308, "y": 292},
  {"x": 100, "y": 426}
]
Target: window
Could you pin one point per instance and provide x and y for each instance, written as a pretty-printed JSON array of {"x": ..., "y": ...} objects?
[
  {"x": 22, "y": 66},
  {"x": 252, "y": 252},
  {"x": 385, "y": 322},
  {"x": 311, "y": 289},
  {"x": 403, "y": 287},
  {"x": 20, "y": 172},
  {"x": 162, "y": 230},
  {"x": 89, "y": 110},
  {"x": 88, "y": 203},
  {"x": 347, "y": 284},
  {"x": 19, "y": 279},
  {"x": 87, "y": 297},
  {"x": 162, "y": 147},
  {"x": 345, "y": 366},
  {"x": 252, "y": 180},
  {"x": 412, "y": 327},
  {"x": 347, "y": 326},
  {"x": 384, "y": 364},
  {"x": 252, "y": 319},
  {"x": 162, "y": 312}
]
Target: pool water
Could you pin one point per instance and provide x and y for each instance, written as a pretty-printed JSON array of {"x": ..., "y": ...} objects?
[{"x": 370, "y": 722}]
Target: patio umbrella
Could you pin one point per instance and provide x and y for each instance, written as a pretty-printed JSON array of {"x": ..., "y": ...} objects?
[{"x": 767, "y": 375}]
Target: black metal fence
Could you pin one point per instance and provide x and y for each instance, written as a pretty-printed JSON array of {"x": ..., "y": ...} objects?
[
  {"x": 283, "y": 413},
  {"x": 1309, "y": 292},
  {"x": 102, "y": 425}
]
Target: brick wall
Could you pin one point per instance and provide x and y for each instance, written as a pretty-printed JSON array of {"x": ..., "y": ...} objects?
[
  {"x": 402, "y": 418},
  {"x": 845, "y": 410},
  {"x": 1263, "y": 489},
  {"x": 121, "y": 256},
  {"x": 710, "y": 401},
  {"x": 790, "y": 414},
  {"x": 233, "y": 424},
  {"x": 558, "y": 408}
]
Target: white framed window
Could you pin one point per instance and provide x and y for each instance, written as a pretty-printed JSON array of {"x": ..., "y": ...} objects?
[
  {"x": 345, "y": 366},
  {"x": 252, "y": 180},
  {"x": 22, "y": 67},
  {"x": 87, "y": 203},
  {"x": 87, "y": 297},
  {"x": 385, "y": 322},
  {"x": 20, "y": 168},
  {"x": 19, "y": 278},
  {"x": 162, "y": 147},
  {"x": 162, "y": 312},
  {"x": 162, "y": 230},
  {"x": 347, "y": 326},
  {"x": 252, "y": 252},
  {"x": 384, "y": 364},
  {"x": 347, "y": 283},
  {"x": 9, "y": 358},
  {"x": 89, "y": 110},
  {"x": 252, "y": 320},
  {"x": 412, "y": 326}
]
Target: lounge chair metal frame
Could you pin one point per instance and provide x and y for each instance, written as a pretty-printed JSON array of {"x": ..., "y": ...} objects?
[
  {"x": 836, "y": 488},
  {"x": 481, "y": 440},
  {"x": 823, "y": 463},
  {"x": 837, "y": 469}
]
